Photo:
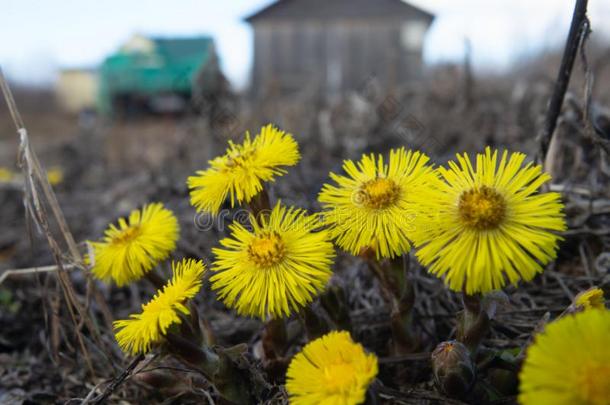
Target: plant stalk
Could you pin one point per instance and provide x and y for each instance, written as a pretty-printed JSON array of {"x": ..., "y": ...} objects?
[
  {"x": 473, "y": 322},
  {"x": 216, "y": 366},
  {"x": 399, "y": 293},
  {"x": 260, "y": 205}
]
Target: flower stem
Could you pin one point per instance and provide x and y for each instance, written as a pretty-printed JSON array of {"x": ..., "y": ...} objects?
[
  {"x": 274, "y": 338},
  {"x": 315, "y": 325},
  {"x": 260, "y": 205},
  {"x": 335, "y": 303},
  {"x": 473, "y": 322},
  {"x": 399, "y": 293},
  {"x": 402, "y": 314},
  {"x": 155, "y": 279},
  {"x": 216, "y": 366},
  {"x": 274, "y": 341}
]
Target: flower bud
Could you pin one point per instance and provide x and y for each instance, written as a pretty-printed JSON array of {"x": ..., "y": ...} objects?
[
  {"x": 591, "y": 298},
  {"x": 454, "y": 371}
]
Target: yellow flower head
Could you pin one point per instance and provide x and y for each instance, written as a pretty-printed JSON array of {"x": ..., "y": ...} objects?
[
  {"x": 591, "y": 298},
  {"x": 55, "y": 176},
  {"x": 130, "y": 250},
  {"x": 276, "y": 267},
  {"x": 488, "y": 225},
  {"x": 6, "y": 175},
  {"x": 373, "y": 207},
  {"x": 569, "y": 363},
  {"x": 241, "y": 171},
  {"x": 330, "y": 370},
  {"x": 141, "y": 331}
]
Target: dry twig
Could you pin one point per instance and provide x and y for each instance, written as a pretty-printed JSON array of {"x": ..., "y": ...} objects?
[{"x": 578, "y": 28}]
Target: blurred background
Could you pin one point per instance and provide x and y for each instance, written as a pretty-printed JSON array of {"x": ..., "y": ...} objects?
[{"x": 334, "y": 72}]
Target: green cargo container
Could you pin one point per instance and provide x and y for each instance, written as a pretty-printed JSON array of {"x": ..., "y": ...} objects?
[{"x": 150, "y": 72}]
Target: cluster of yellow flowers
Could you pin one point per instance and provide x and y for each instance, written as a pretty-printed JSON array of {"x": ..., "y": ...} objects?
[{"x": 479, "y": 225}]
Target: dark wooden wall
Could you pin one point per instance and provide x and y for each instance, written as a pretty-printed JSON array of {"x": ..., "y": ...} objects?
[{"x": 332, "y": 56}]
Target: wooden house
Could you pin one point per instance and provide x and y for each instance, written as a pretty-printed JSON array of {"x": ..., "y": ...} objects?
[{"x": 336, "y": 45}]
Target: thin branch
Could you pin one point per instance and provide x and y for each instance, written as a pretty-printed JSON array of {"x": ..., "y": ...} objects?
[
  {"x": 116, "y": 382},
  {"x": 33, "y": 270},
  {"x": 10, "y": 101},
  {"x": 578, "y": 28}
]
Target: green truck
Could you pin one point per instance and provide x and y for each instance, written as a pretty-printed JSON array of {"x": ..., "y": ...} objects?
[{"x": 156, "y": 75}]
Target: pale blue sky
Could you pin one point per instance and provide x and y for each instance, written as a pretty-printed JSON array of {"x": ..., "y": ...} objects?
[{"x": 39, "y": 36}]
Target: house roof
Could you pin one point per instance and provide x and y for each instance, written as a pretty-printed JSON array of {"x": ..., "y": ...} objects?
[{"x": 328, "y": 9}]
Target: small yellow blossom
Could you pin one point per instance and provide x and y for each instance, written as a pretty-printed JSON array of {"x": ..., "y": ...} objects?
[
  {"x": 141, "y": 331},
  {"x": 331, "y": 370},
  {"x": 374, "y": 207},
  {"x": 55, "y": 176},
  {"x": 242, "y": 170},
  {"x": 591, "y": 298},
  {"x": 275, "y": 268},
  {"x": 130, "y": 250},
  {"x": 569, "y": 363},
  {"x": 6, "y": 175}
]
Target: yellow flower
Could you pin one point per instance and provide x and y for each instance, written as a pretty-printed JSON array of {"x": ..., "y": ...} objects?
[
  {"x": 130, "y": 250},
  {"x": 373, "y": 207},
  {"x": 6, "y": 175},
  {"x": 569, "y": 363},
  {"x": 488, "y": 225},
  {"x": 141, "y": 331},
  {"x": 55, "y": 176},
  {"x": 591, "y": 298},
  {"x": 276, "y": 267},
  {"x": 241, "y": 171},
  {"x": 330, "y": 370}
]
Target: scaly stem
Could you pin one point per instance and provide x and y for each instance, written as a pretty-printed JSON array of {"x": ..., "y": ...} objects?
[
  {"x": 216, "y": 366},
  {"x": 473, "y": 322},
  {"x": 155, "y": 279},
  {"x": 260, "y": 205},
  {"x": 315, "y": 325},
  {"x": 399, "y": 293},
  {"x": 402, "y": 319},
  {"x": 274, "y": 338},
  {"x": 274, "y": 341},
  {"x": 335, "y": 303}
]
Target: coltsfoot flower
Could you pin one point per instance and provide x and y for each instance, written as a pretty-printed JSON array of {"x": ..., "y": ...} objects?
[
  {"x": 488, "y": 225},
  {"x": 275, "y": 268},
  {"x": 131, "y": 249},
  {"x": 55, "y": 176},
  {"x": 374, "y": 206},
  {"x": 332, "y": 369},
  {"x": 591, "y": 298},
  {"x": 569, "y": 363},
  {"x": 141, "y": 331},
  {"x": 6, "y": 175},
  {"x": 242, "y": 170}
]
